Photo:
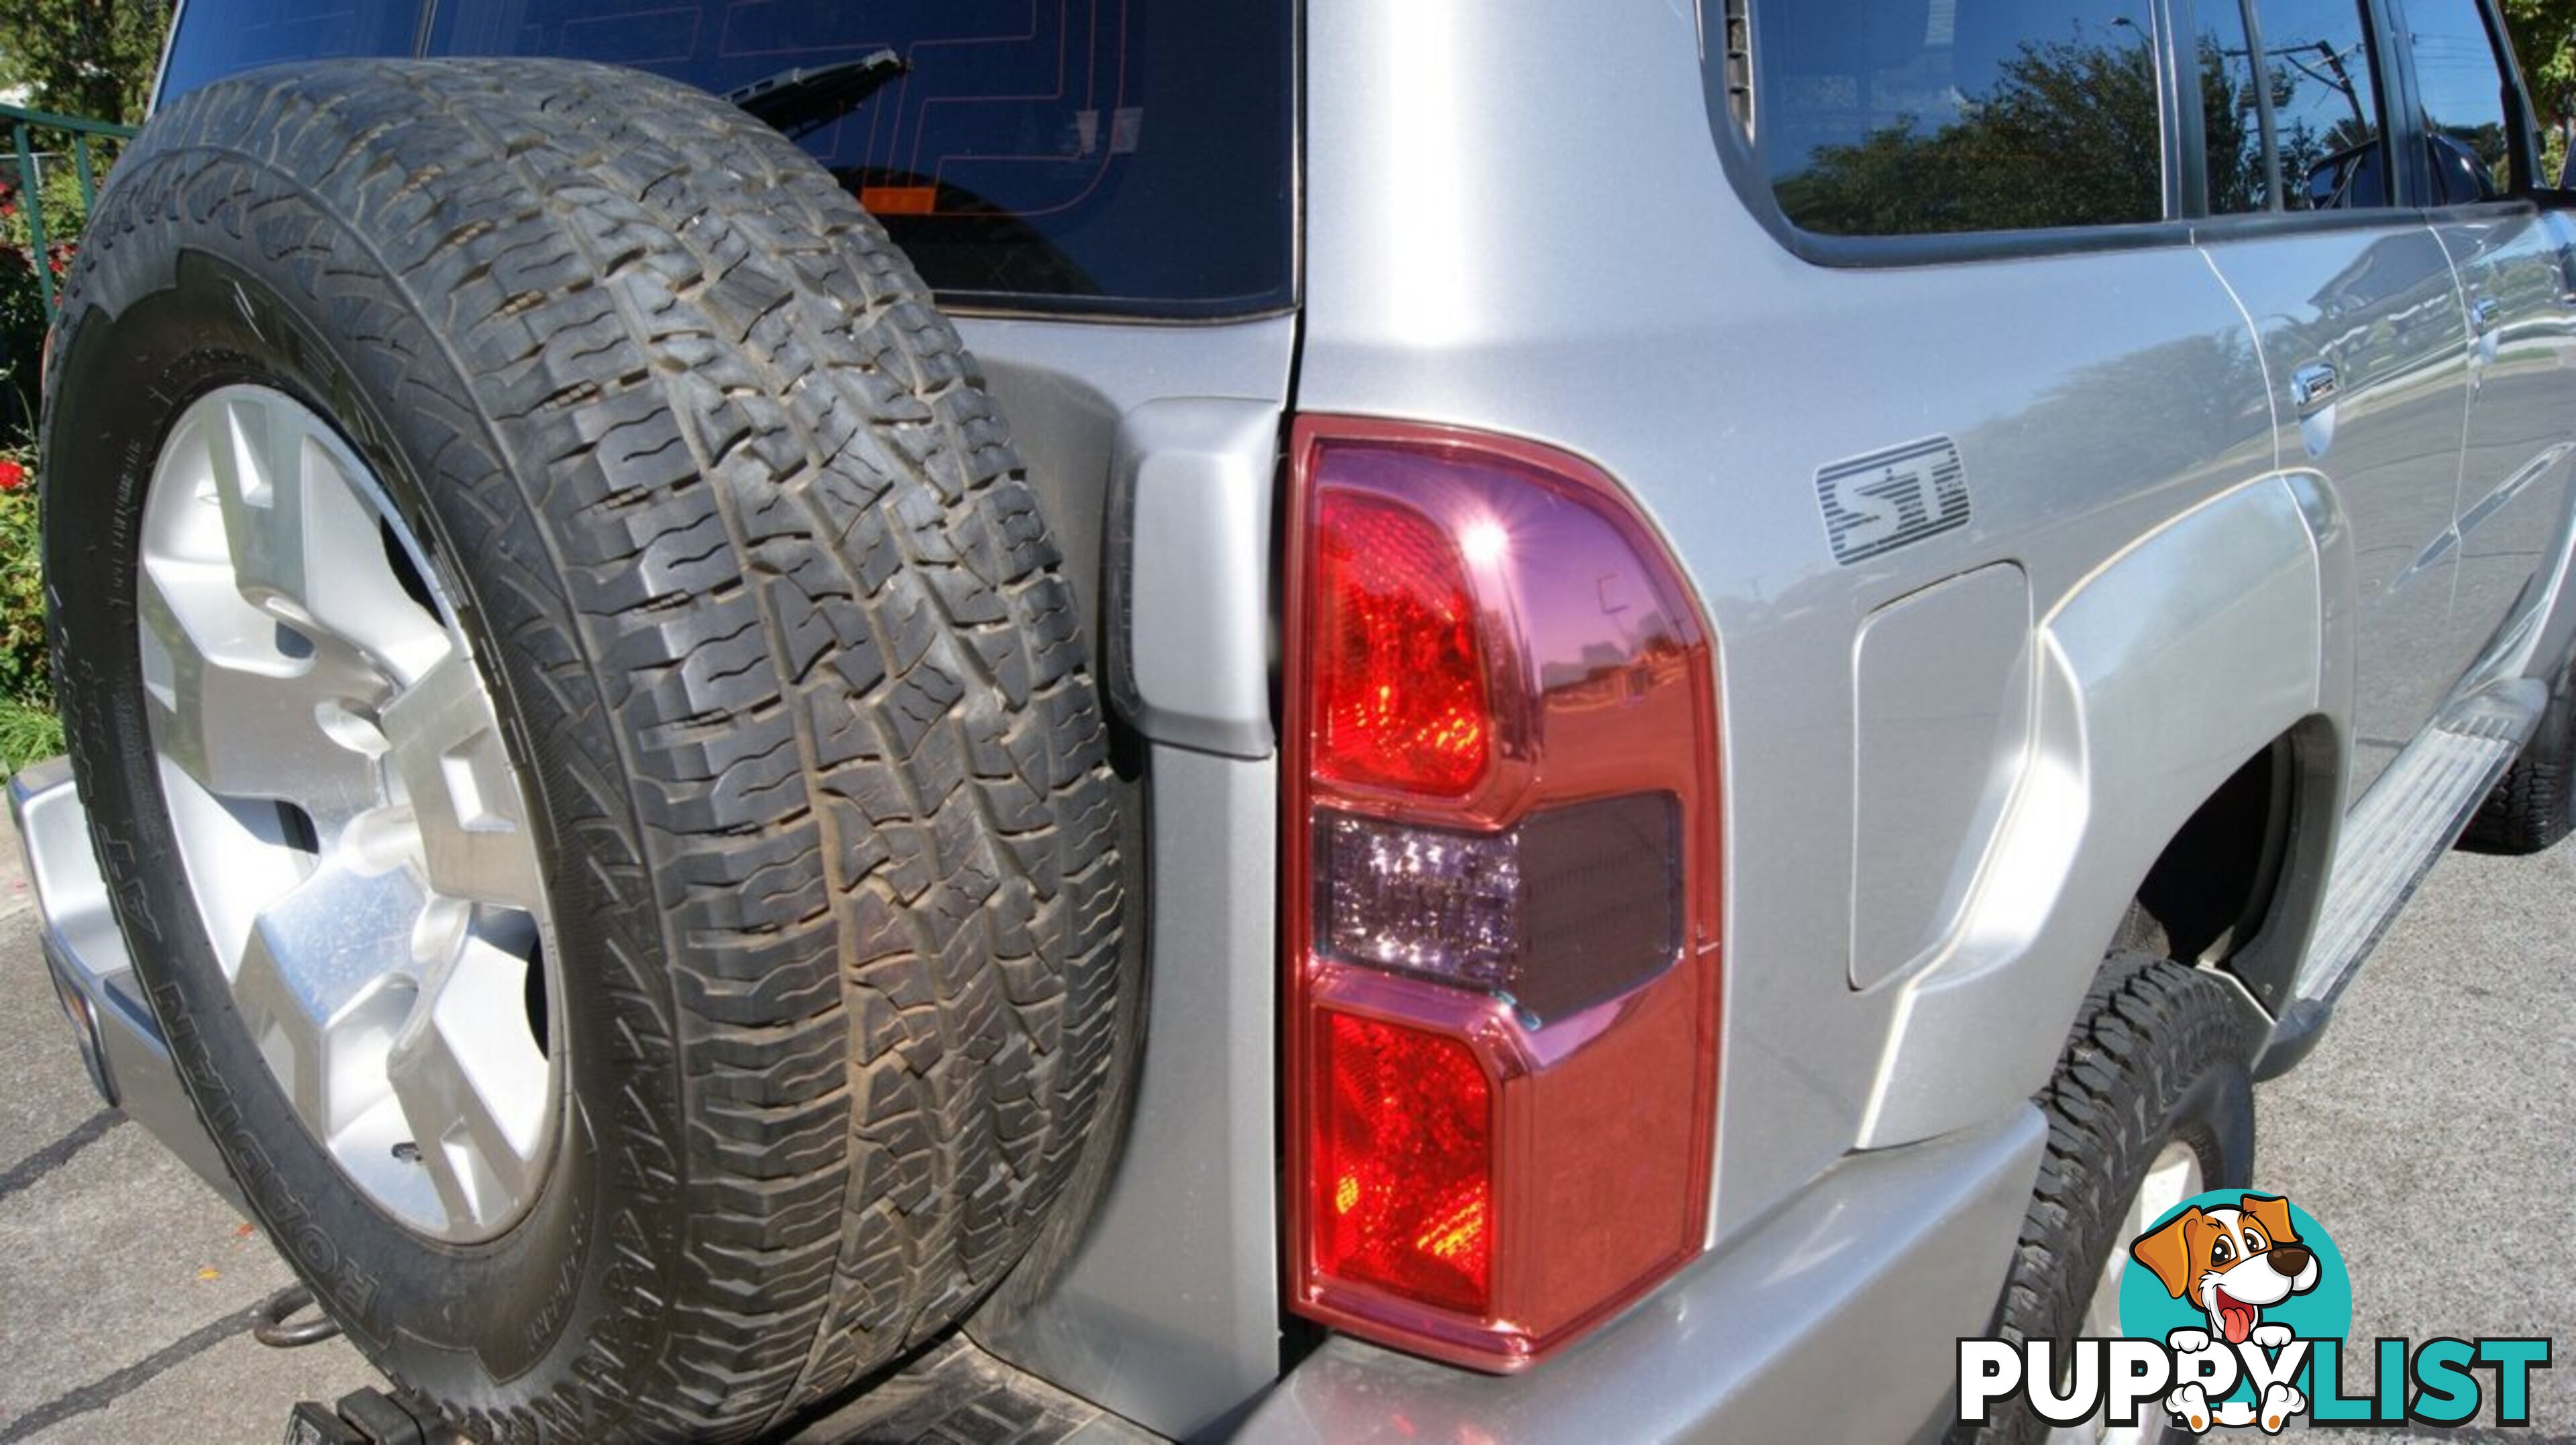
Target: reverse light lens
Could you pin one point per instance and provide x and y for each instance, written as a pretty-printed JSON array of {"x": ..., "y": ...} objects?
[
  {"x": 1399, "y": 678},
  {"x": 1576, "y": 905},
  {"x": 1404, "y": 1162}
]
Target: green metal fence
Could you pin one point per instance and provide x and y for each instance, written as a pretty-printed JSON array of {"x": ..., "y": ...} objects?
[{"x": 83, "y": 139}]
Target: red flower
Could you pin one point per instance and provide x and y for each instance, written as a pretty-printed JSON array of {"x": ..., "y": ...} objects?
[{"x": 12, "y": 476}]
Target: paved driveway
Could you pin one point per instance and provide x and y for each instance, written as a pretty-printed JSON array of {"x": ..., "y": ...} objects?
[
  {"x": 124, "y": 1282},
  {"x": 2429, "y": 1133}
]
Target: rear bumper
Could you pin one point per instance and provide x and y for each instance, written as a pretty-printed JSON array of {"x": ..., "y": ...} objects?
[
  {"x": 1837, "y": 1319},
  {"x": 94, "y": 975}
]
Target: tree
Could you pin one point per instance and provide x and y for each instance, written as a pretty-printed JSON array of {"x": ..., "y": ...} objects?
[
  {"x": 2544, "y": 35},
  {"x": 91, "y": 58}
]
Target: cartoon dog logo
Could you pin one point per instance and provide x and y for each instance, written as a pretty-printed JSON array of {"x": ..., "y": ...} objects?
[{"x": 2230, "y": 1263}]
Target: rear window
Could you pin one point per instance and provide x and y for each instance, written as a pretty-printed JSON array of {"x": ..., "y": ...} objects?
[
  {"x": 1108, "y": 156},
  {"x": 219, "y": 37}
]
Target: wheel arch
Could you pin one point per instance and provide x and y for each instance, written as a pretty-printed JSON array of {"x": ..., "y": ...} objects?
[{"x": 2199, "y": 654}]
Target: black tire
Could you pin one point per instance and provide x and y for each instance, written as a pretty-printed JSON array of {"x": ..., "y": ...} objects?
[
  {"x": 2159, "y": 1053},
  {"x": 2534, "y": 803},
  {"x": 789, "y": 673}
]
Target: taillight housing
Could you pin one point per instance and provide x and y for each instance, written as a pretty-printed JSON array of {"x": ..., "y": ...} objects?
[{"x": 1502, "y": 863}]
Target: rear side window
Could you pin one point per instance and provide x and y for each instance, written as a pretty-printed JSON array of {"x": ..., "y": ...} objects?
[
  {"x": 2466, "y": 109},
  {"x": 2290, "y": 106},
  {"x": 1121, "y": 156},
  {"x": 218, "y": 37},
  {"x": 1908, "y": 117}
]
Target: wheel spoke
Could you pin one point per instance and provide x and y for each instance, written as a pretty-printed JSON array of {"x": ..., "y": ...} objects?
[
  {"x": 472, "y": 1082},
  {"x": 233, "y": 710},
  {"x": 475, "y": 838},
  {"x": 259, "y": 483},
  {"x": 305, "y": 546},
  {"x": 325, "y": 980}
]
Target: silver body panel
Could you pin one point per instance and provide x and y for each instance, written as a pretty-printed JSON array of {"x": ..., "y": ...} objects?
[
  {"x": 2178, "y": 548},
  {"x": 1166, "y": 438},
  {"x": 2518, "y": 280},
  {"x": 2379, "y": 307},
  {"x": 2207, "y": 569},
  {"x": 2094, "y": 397}
]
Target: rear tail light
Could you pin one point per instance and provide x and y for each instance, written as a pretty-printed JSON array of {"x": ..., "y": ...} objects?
[{"x": 1502, "y": 863}]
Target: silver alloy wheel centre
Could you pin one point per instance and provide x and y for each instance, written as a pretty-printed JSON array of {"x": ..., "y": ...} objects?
[{"x": 346, "y": 812}]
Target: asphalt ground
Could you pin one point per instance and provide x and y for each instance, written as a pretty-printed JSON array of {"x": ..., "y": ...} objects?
[{"x": 2428, "y": 1133}]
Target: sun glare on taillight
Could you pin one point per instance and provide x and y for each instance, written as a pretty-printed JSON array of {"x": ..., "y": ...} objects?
[{"x": 1502, "y": 861}]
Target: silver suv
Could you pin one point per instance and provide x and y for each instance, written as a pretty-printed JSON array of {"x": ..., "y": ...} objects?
[{"x": 1462, "y": 721}]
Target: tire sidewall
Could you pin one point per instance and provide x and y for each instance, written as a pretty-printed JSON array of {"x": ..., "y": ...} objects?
[{"x": 129, "y": 362}]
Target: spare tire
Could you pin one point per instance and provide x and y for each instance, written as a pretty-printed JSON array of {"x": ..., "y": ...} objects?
[{"x": 583, "y": 724}]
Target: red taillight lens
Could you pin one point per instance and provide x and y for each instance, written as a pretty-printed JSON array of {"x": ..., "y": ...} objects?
[
  {"x": 1403, "y": 1157},
  {"x": 1502, "y": 861},
  {"x": 1399, "y": 678}
]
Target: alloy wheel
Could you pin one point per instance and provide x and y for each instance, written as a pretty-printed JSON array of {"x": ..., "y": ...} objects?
[{"x": 347, "y": 815}]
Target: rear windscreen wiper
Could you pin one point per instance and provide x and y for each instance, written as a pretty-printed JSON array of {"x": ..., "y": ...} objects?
[{"x": 795, "y": 101}]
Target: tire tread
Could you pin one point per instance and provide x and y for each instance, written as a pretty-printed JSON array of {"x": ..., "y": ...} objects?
[{"x": 2148, "y": 1027}]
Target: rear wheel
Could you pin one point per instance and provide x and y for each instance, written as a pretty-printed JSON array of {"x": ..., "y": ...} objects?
[
  {"x": 2534, "y": 803},
  {"x": 587, "y": 735},
  {"x": 2151, "y": 1103}
]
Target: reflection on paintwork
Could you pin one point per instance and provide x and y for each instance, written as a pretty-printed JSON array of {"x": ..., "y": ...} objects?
[
  {"x": 2514, "y": 473},
  {"x": 2380, "y": 308}
]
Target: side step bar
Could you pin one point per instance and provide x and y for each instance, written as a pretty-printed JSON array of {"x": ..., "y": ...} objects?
[{"x": 2391, "y": 839}]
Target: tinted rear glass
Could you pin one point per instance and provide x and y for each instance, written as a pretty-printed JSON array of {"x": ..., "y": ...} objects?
[
  {"x": 2300, "y": 73},
  {"x": 1116, "y": 156},
  {"x": 1899, "y": 117},
  {"x": 218, "y": 37},
  {"x": 2467, "y": 108}
]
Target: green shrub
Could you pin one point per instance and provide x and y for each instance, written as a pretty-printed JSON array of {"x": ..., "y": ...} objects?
[
  {"x": 28, "y": 734},
  {"x": 22, "y": 303},
  {"x": 29, "y": 728}
]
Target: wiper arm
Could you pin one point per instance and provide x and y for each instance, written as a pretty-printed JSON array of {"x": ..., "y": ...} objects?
[{"x": 796, "y": 101}]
